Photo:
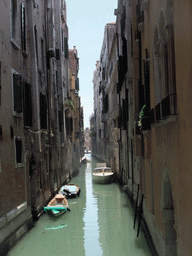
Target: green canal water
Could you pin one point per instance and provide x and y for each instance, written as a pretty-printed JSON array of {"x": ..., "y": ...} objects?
[{"x": 100, "y": 223}]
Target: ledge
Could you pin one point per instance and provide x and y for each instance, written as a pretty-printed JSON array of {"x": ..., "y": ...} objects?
[
  {"x": 14, "y": 44},
  {"x": 146, "y": 133},
  {"x": 12, "y": 214},
  {"x": 20, "y": 115},
  {"x": 167, "y": 120}
]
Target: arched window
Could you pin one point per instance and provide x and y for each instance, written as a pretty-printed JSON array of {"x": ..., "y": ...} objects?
[{"x": 164, "y": 67}]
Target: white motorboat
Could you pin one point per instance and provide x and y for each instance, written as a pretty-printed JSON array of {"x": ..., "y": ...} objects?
[{"x": 102, "y": 175}]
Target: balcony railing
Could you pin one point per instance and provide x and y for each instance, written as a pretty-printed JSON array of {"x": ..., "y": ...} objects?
[
  {"x": 163, "y": 113},
  {"x": 157, "y": 112},
  {"x": 165, "y": 110},
  {"x": 152, "y": 116},
  {"x": 168, "y": 106}
]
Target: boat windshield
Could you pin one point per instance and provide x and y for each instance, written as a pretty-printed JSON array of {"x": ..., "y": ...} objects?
[
  {"x": 97, "y": 170},
  {"x": 102, "y": 170},
  {"x": 107, "y": 170}
]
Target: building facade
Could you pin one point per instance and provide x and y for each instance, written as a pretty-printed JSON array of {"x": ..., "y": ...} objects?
[
  {"x": 154, "y": 100},
  {"x": 34, "y": 83}
]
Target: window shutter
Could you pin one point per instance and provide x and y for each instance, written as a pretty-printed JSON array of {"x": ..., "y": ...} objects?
[
  {"x": 18, "y": 144},
  {"x": 23, "y": 34},
  {"x": 17, "y": 88},
  {"x": 27, "y": 105},
  {"x": 77, "y": 84},
  {"x": 57, "y": 54},
  {"x": 43, "y": 111},
  {"x": 66, "y": 48}
]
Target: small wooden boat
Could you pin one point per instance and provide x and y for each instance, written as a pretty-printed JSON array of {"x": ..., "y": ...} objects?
[
  {"x": 102, "y": 174},
  {"x": 57, "y": 206},
  {"x": 70, "y": 190}
]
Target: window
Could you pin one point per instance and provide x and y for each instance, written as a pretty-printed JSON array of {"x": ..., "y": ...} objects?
[
  {"x": 18, "y": 147},
  {"x": 60, "y": 113},
  {"x": 66, "y": 48},
  {"x": 23, "y": 31},
  {"x": 43, "y": 111},
  {"x": 69, "y": 125},
  {"x": 13, "y": 18},
  {"x": 1, "y": 133},
  {"x": 36, "y": 43},
  {"x": 27, "y": 105},
  {"x": 0, "y": 83},
  {"x": 42, "y": 56},
  {"x": 62, "y": 41},
  {"x": 77, "y": 84},
  {"x": 17, "y": 93}
]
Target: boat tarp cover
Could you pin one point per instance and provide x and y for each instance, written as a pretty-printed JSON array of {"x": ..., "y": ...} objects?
[{"x": 56, "y": 208}]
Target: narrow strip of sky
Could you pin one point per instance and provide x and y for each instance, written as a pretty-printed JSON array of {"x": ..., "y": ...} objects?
[{"x": 86, "y": 20}]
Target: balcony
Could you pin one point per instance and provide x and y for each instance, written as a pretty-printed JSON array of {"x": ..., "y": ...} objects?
[{"x": 145, "y": 125}]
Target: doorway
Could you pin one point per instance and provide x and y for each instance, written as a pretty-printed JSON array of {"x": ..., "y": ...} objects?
[{"x": 170, "y": 234}]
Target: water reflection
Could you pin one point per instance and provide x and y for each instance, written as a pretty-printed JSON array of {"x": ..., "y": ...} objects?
[
  {"x": 100, "y": 223},
  {"x": 91, "y": 229}
]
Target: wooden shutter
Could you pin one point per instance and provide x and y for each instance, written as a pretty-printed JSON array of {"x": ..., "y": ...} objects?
[
  {"x": 23, "y": 32},
  {"x": 66, "y": 48},
  {"x": 27, "y": 105},
  {"x": 17, "y": 90}
]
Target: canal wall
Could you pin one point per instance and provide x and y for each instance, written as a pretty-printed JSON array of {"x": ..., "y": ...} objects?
[
  {"x": 13, "y": 226},
  {"x": 151, "y": 232},
  {"x": 16, "y": 223}
]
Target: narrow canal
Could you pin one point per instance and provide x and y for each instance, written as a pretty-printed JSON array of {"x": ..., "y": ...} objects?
[{"x": 100, "y": 223}]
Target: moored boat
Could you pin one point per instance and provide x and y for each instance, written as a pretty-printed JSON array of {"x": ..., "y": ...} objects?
[
  {"x": 57, "y": 206},
  {"x": 103, "y": 175},
  {"x": 70, "y": 190}
]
